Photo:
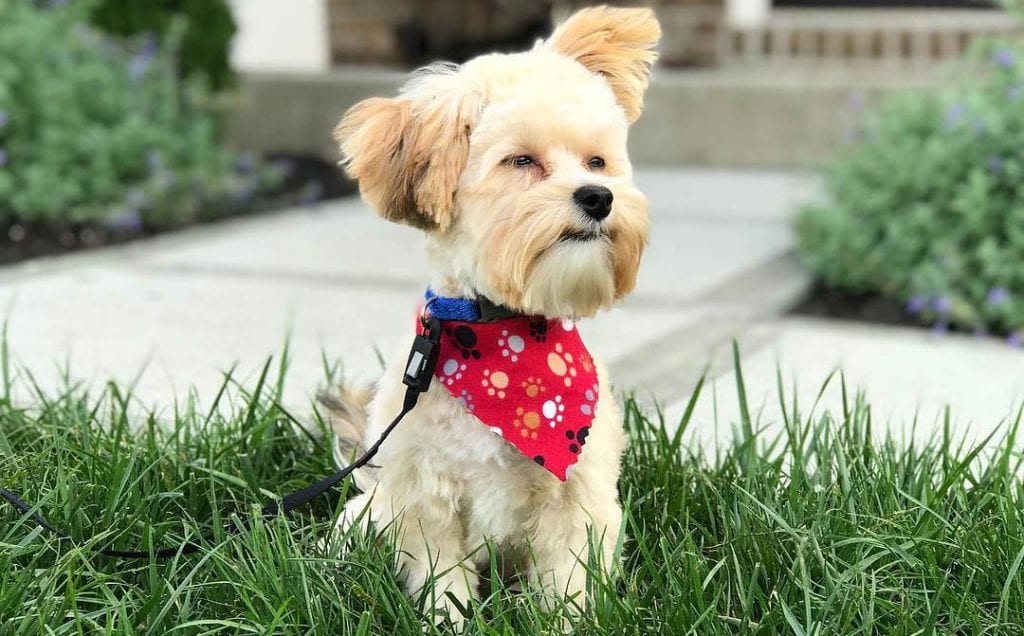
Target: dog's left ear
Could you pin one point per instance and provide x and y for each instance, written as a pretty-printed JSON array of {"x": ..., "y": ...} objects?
[{"x": 617, "y": 43}]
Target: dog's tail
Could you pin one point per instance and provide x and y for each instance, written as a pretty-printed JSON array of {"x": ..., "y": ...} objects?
[{"x": 345, "y": 411}]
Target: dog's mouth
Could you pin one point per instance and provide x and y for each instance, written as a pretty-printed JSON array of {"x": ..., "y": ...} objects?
[{"x": 582, "y": 236}]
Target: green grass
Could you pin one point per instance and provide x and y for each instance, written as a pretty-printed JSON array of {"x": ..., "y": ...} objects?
[{"x": 822, "y": 531}]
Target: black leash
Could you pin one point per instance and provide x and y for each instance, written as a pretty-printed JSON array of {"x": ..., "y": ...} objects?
[{"x": 418, "y": 372}]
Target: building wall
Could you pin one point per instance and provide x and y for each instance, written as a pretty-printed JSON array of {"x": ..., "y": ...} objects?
[
  {"x": 313, "y": 35},
  {"x": 274, "y": 35}
]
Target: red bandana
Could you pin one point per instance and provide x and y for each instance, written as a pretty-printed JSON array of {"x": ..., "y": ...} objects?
[{"x": 529, "y": 379}]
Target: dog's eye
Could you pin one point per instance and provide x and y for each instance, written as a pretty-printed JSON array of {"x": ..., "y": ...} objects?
[
  {"x": 596, "y": 162},
  {"x": 522, "y": 161}
]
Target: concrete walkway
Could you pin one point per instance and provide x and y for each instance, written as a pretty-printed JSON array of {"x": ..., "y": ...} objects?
[
  {"x": 173, "y": 314},
  {"x": 907, "y": 375}
]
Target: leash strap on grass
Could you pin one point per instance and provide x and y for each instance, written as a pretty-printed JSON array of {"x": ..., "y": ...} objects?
[
  {"x": 290, "y": 502},
  {"x": 418, "y": 372}
]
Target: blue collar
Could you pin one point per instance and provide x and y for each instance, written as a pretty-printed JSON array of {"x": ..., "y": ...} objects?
[{"x": 466, "y": 309}]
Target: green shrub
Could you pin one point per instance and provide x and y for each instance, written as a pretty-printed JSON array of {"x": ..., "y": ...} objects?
[
  {"x": 928, "y": 207},
  {"x": 206, "y": 41},
  {"x": 93, "y": 131}
]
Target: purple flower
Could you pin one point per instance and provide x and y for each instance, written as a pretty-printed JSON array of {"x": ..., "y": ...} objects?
[
  {"x": 285, "y": 167},
  {"x": 149, "y": 42},
  {"x": 244, "y": 192},
  {"x": 995, "y": 164},
  {"x": 1004, "y": 58},
  {"x": 311, "y": 193},
  {"x": 164, "y": 178},
  {"x": 140, "y": 61},
  {"x": 3, "y": 157},
  {"x": 855, "y": 99},
  {"x": 1015, "y": 339},
  {"x": 940, "y": 328},
  {"x": 3, "y": 119},
  {"x": 942, "y": 305},
  {"x": 136, "y": 199},
  {"x": 129, "y": 221},
  {"x": 998, "y": 296},
  {"x": 852, "y": 135},
  {"x": 916, "y": 304},
  {"x": 137, "y": 67},
  {"x": 154, "y": 161},
  {"x": 954, "y": 115},
  {"x": 245, "y": 162},
  {"x": 1015, "y": 93}
]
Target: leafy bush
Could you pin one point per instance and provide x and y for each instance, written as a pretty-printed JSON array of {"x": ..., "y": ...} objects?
[
  {"x": 206, "y": 41},
  {"x": 928, "y": 207},
  {"x": 93, "y": 131}
]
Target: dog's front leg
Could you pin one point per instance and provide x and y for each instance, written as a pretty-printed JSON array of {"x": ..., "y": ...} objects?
[
  {"x": 561, "y": 548},
  {"x": 432, "y": 555}
]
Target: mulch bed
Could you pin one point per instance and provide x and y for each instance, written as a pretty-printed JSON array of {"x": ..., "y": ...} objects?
[
  {"x": 309, "y": 180},
  {"x": 824, "y": 302}
]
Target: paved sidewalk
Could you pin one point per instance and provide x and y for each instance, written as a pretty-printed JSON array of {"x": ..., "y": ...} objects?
[
  {"x": 174, "y": 313},
  {"x": 908, "y": 376},
  {"x": 337, "y": 281}
]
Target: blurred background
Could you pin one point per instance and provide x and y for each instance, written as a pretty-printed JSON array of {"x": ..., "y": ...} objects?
[
  {"x": 832, "y": 185},
  {"x": 743, "y": 83}
]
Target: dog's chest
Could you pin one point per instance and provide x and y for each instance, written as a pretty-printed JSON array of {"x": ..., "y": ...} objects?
[{"x": 497, "y": 483}]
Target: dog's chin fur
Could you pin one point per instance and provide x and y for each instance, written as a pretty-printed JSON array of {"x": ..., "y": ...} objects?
[
  {"x": 571, "y": 279},
  {"x": 440, "y": 157}
]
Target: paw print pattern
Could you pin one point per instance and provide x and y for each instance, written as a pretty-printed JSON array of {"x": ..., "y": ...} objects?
[
  {"x": 586, "y": 363},
  {"x": 560, "y": 362},
  {"x": 533, "y": 386},
  {"x": 539, "y": 329},
  {"x": 495, "y": 383},
  {"x": 511, "y": 346},
  {"x": 554, "y": 410},
  {"x": 464, "y": 340},
  {"x": 452, "y": 371},
  {"x": 590, "y": 395},
  {"x": 527, "y": 422},
  {"x": 466, "y": 400},
  {"x": 577, "y": 439},
  {"x": 528, "y": 379}
]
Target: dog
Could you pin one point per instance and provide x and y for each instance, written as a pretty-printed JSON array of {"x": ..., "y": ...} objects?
[{"x": 515, "y": 168}]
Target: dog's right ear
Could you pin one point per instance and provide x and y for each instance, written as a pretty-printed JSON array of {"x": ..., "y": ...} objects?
[
  {"x": 408, "y": 152},
  {"x": 370, "y": 135}
]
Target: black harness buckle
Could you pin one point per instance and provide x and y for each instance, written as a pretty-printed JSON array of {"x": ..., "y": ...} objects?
[{"x": 423, "y": 356}]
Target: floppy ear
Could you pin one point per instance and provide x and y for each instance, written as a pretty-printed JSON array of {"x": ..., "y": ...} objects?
[
  {"x": 617, "y": 43},
  {"x": 408, "y": 152}
]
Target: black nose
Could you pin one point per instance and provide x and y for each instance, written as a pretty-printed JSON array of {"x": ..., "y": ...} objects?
[{"x": 594, "y": 200}]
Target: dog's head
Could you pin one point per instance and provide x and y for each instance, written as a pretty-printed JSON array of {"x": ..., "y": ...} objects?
[{"x": 515, "y": 165}]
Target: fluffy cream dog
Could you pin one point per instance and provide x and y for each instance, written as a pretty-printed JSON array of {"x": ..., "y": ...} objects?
[{"x": 515, "y": 167}]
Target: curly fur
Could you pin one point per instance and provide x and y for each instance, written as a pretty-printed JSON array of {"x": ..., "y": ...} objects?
[{"x": 439, "y": 157}]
